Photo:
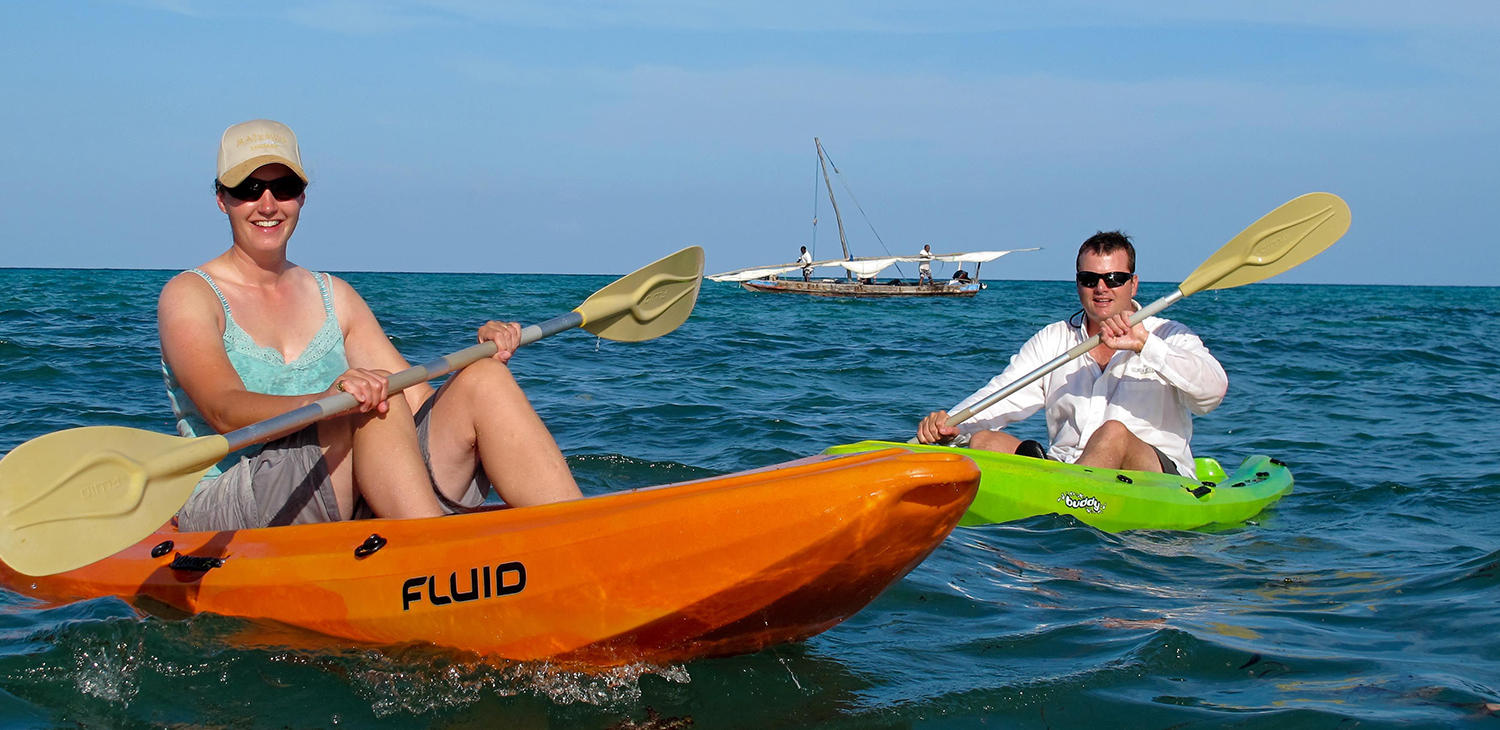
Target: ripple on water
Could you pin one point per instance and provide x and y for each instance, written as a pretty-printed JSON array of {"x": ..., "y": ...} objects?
[
  {"x": 129, "y": 670},
  {"x": 1367, "y": 597}
]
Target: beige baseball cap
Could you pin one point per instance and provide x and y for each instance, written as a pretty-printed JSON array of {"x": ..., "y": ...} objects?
[{"x": 253, "y": 144}]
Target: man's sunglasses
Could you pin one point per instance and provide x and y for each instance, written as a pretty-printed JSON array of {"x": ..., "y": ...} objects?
[
  {"x": 282, "y": 188},
  {"x": 1114, "y": 279}
]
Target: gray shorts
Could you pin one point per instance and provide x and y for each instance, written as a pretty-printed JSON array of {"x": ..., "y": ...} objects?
[
  {"x": 1167, "y": 465},
  {"x": 288, "y": 483}
]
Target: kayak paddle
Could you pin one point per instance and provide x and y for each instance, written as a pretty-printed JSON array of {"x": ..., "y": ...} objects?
[
  {"x": 1281, "y": 240},
  {"x": 73, "y": 497}
]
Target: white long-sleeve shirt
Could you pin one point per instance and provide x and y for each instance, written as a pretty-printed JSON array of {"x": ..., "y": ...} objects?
[{"x": 1154, "y": 392}]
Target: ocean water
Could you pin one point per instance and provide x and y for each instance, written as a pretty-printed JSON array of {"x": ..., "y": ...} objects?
[{"x": 1370, "y": 597}]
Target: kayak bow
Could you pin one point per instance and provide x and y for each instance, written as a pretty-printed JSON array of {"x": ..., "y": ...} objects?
[{"x": 1016, "y": 487}]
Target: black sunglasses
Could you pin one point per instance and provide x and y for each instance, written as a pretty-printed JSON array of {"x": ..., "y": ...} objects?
[
  {"x": 1114, "y": 279},
  {"x": 282, "y": 188}
]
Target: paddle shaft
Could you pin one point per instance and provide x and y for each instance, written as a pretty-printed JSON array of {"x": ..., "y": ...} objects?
[
  {"x": 336, "y": 405},
  {"x": 1282, "y": 239},
  {"x": 1057, "y": 362}
]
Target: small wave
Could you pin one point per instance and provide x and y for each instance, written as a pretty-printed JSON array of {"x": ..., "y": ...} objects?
[
  {"x": 425, "y": 681},
  {"x": 604, "y": 473},
  {"x": 121, "y": 669}
]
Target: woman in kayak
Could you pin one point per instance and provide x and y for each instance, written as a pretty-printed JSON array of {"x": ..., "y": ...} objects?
[
  {"x": 1128, "y": 404},
  {"x": 250, "y": 335}
]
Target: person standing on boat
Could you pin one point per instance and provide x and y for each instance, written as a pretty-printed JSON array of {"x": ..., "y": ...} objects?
[
  {"x": 1128, "y": 404},
  {"x": 924, "y": 269},
  {"x": 806, "y": 260},
  {"x": 250, "y": 335}
]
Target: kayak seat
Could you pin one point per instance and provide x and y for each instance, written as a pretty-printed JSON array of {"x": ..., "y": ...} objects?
[
  {"x": 1209, "y": 470},
  {"x": 1031, "y": 449}
]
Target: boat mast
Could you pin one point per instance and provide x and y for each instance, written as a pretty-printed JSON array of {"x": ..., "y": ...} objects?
[{"x": 836, "y": 217}]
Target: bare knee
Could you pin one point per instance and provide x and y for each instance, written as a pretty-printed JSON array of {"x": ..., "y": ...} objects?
[
  {"x": 488, "y": 376},
  {"x": 1115, "y": 446},
  {"x": 398, "y": 414},
  {"x": 994, "y": 441},
  {"x": 397, "y": 409},
  {"x": 1112, "y": 432}
]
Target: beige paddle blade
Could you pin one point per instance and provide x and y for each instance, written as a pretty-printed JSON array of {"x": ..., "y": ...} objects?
[
  {"x": 70, "y": 498},
  {"x": 1281, "y": 240},
  {"x": 648, "y": 303}
]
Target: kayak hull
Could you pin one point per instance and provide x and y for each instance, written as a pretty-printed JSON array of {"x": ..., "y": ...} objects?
[
  {"x": 838, "y": 288},
  {"x": 715, "y": 567},
  {"x": 1016, "y": 487}
]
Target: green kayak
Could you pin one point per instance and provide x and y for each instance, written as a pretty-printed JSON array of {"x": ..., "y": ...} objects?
[{"x": 1014, "y": 487}]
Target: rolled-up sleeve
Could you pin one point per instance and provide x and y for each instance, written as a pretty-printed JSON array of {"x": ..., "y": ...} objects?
[{"x": 1181, "y": 358}]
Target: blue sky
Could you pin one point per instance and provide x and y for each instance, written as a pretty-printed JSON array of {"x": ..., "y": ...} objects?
[{"x": 592, "y": 137}]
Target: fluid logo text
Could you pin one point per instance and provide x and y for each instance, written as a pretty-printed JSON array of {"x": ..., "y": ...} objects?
[{"x": 505, "y": 579}]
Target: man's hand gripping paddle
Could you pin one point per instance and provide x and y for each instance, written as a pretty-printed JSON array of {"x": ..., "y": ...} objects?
[{"x": 1280, "y": 241}]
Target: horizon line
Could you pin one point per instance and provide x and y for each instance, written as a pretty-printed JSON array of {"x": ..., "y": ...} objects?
[{"x": 540, "y": 273}]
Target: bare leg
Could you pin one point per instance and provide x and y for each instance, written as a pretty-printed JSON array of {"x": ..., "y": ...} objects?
[
  {"x": 1113, "y": 446},
  {"x": 995, "y": 441},
  {"x": 386, "y": 466},
  {"x": 484, "y": 418}
]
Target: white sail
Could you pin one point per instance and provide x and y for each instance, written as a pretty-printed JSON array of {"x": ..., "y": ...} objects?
[
  {"x": 974, "y": 257},
  {"x": 759, "y": 272},
  {"x": 868, "y": 267}
]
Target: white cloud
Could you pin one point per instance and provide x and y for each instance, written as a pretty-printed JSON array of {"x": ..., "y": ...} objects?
[
  {"x": 191, "y": 8},
  {"x": 898, "y": 16},
  {"x": 1463, "y": 16},
  {"x": 361, "y": 17},
  {"x": 878, "y": 16},
  {"x": 652, "y": 104}
]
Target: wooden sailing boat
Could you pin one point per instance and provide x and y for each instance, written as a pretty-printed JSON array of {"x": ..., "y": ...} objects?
[{"x": 860, "y": 274}]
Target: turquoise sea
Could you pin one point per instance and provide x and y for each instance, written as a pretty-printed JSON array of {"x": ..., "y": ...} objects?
[{"x": 1368, "y": 598}]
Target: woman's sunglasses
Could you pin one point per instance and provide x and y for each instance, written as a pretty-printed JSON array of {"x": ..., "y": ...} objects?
[
  {"x": 1114, "y": 279},
  {"x": 282, "y": 188}
]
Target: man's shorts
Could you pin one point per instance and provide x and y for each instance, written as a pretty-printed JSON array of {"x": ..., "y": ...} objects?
[
  {"x": 288, "y": 483},
  {"x": 1167, "y": 465}
]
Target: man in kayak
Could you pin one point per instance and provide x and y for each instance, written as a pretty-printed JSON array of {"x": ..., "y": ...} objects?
[
  {"x": 250, "y": 335},
  {"x": 1127, "y": 404}
]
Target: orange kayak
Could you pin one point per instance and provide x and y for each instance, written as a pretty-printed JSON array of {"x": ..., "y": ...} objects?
[{"x": 714, "y": 567}]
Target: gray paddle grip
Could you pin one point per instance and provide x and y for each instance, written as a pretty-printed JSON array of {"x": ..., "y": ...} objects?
[
  {"x": 336, "y": 405},
  {"x": 1056, "y": 362}
]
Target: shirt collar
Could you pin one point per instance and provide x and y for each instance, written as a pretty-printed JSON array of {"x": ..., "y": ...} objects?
[{"x": 1081, "y": 330}]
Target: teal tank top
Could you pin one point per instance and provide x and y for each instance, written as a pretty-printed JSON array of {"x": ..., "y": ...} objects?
[{"x": 263, "y": 369}]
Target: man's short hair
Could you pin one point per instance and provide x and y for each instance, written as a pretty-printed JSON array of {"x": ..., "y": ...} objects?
[{"x": 1105, "y": 243}]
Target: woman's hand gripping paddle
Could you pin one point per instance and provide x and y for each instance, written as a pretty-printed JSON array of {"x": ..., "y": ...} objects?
[
  {"x": 1280, "y": 241},
  {"x": 73, "y": 497}
]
